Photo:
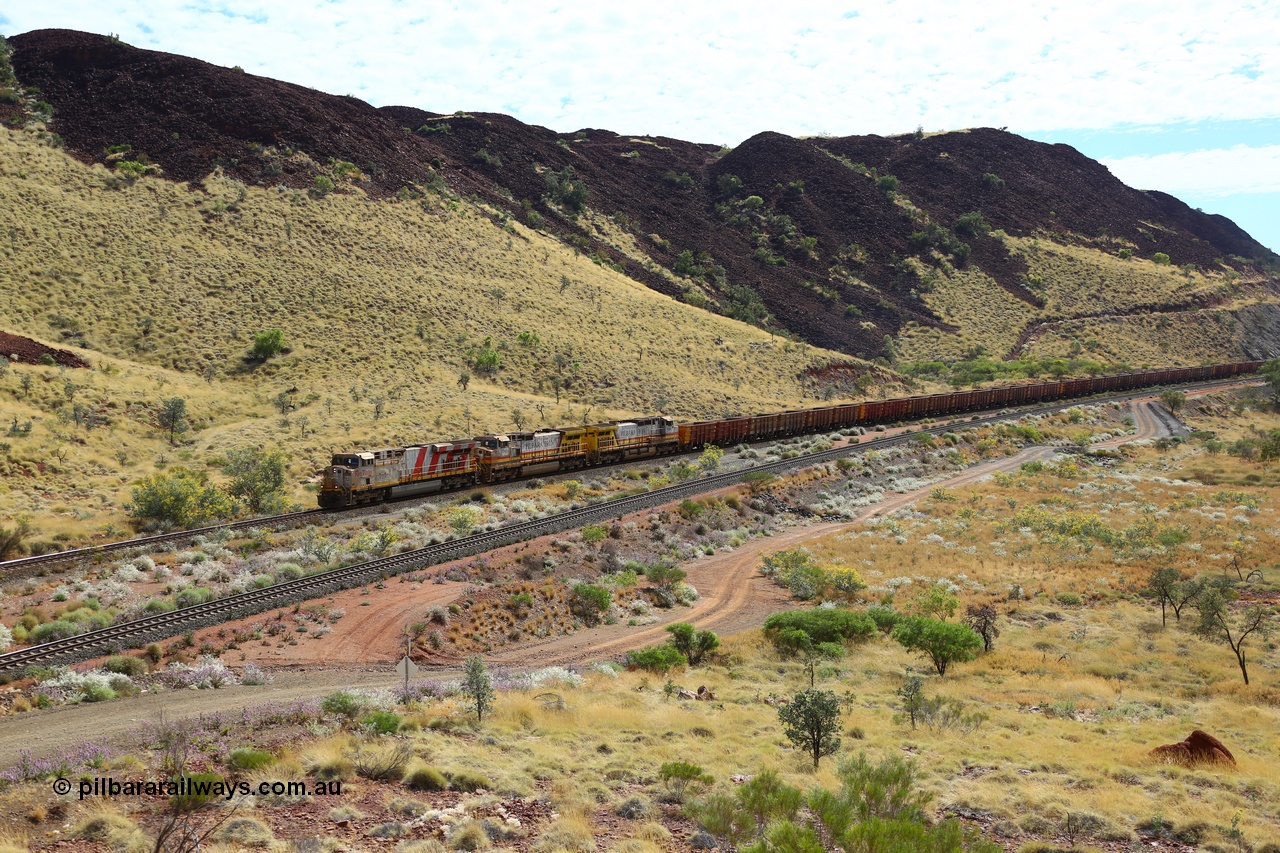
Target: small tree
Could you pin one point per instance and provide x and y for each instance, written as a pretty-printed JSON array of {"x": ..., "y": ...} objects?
[
  {"x": 257, "y": 478},
  {"x": 1161, "y": 584},
  {"x": 692, "y": 643},
  {"x": 936, "y": 602},
  {"x": 181, "y": 498},
  {"x": 1219, "y": 623},
  {"x": 944, "y": 643},
  {"x": 1271, "y": 372},
  {"x": 12, "y": 538},
  {"x": 173, "y": 417},
  {"x": 268, "y": 344},
  {"x": 982, "y": 621},
  {"x": 681, "y": 778},
  {"x": 710, "y": 458},
  {"x": 464, "y": 379},
  {"x": 477, "y": 686},
  {"x": 811, "y": 721},
  {"x": 590, "y": 602},
  {"x": 1175, "y": 400},
  {"x": 664, "y": 579}
]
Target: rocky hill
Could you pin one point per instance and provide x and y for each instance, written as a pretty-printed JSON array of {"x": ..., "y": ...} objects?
[{"x": 847, "y": 242}]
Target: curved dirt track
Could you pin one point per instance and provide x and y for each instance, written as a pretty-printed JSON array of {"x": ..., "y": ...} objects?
[{"x": 734, "y": 597}]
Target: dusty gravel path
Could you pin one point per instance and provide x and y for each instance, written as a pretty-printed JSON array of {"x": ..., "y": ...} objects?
[{"x": 360, "y": 652}]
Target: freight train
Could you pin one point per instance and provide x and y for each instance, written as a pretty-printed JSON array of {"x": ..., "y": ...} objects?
[{"x": 371, "y": 476}]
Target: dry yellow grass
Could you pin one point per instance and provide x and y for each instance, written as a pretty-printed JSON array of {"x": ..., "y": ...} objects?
[
  {"x": 381, "y": 303},
  {"x": 1074, "y": 281}
]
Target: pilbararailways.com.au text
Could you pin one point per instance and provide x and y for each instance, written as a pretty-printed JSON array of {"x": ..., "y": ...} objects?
[{"x": 200, "y": 788}]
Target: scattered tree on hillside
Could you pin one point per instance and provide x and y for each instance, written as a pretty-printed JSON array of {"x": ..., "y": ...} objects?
[
  {"x": 944, "y": 643},
  {"x": 172, "y": 417},
  {"x": 1220, "y": 623},
  {"x": 811, "y": 722},
  {"x": 981, "y": 619},
  {"x": 268, "y": 344}
]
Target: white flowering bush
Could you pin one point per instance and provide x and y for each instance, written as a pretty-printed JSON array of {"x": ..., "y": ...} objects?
[
  {"x": 6, "y": 638},
  {"x": 207, "y": 673}
]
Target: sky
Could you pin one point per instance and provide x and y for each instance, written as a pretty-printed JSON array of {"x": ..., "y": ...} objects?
[{"x": 1181, "y": 96}]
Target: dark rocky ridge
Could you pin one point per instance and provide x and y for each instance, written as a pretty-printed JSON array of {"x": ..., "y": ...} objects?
[{"x": 191, "y": 117}]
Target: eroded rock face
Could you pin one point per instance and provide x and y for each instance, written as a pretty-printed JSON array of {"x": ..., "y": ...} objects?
[{"x": 1199, "y": 748}]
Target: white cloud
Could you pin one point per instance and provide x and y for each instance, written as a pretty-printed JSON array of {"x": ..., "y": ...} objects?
[
  {"x": 1215, "y": 172},
  {"x": 715, "y": 72}
]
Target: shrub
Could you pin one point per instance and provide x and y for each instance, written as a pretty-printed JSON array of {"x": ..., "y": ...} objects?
[
  {"x": 1160, "y": 258},
  {"x": 657, "y": 659},
  {"x": 382, "y": 763},
  {"x": 125, "y": 665},
  {"x": 567, "y": 189},
  {"x": 822, "y": 625},
  {"x": 884, "y": 617},
  {"x": 468, "y": 835},
  {"x": 248, "y": 758},
  {"x": 182, "y": 498},
  {"x": 811, "y": 722},
  {"x": 56, "y": 630},
  {"x": 477, "y": 686},
  {"x": 692, "y": 643},
  {"x": 344, "y": 704},
  {"x": 268, "y": 344},
  {"x": 590, "y": 602},
  {"x": 944, "y": 643},
  {"x": 381, "y": 722},
  {"x": 681, "y": 777},
  {"x": 972, "y": 224},
  {"x": 424, "y": 777}
]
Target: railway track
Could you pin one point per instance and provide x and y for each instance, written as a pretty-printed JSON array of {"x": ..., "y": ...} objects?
[
  {"x": 23, "y": 566},
  {"x": 138, "y": 632}
]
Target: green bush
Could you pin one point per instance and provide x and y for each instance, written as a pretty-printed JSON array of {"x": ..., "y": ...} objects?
[
  {"x": 590, "y": 602},
  {"x": 248, "y": 758},
  {"x": 887, "y": 183},
  {"x": 691, "y": 642},
  {"x": 57, "y": 630},
  {"x": 681, "y": 777},
  {"x": 822, "y": 625},
  {"x": 884, "y": 617},
  {"x": 181, "y": 498},
  {"x": 944, "y": 643},
  {"x": 125, "y": 665},
  {"x": 658, "y": 659},
  {"x": 268, "y": 344},
  {"x": 1160, "y": 258},
  {"x": 381, "y": 722},
  {"x": 344, "y": 704}
]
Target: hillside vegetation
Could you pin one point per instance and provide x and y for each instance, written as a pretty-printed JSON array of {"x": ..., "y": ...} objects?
[
  {"x": 837, "y": 240},
  {"x": 402, "y": 321}
]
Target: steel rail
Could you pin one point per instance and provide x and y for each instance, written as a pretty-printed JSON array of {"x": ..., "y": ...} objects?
[{"x": 163, "y": 625}]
